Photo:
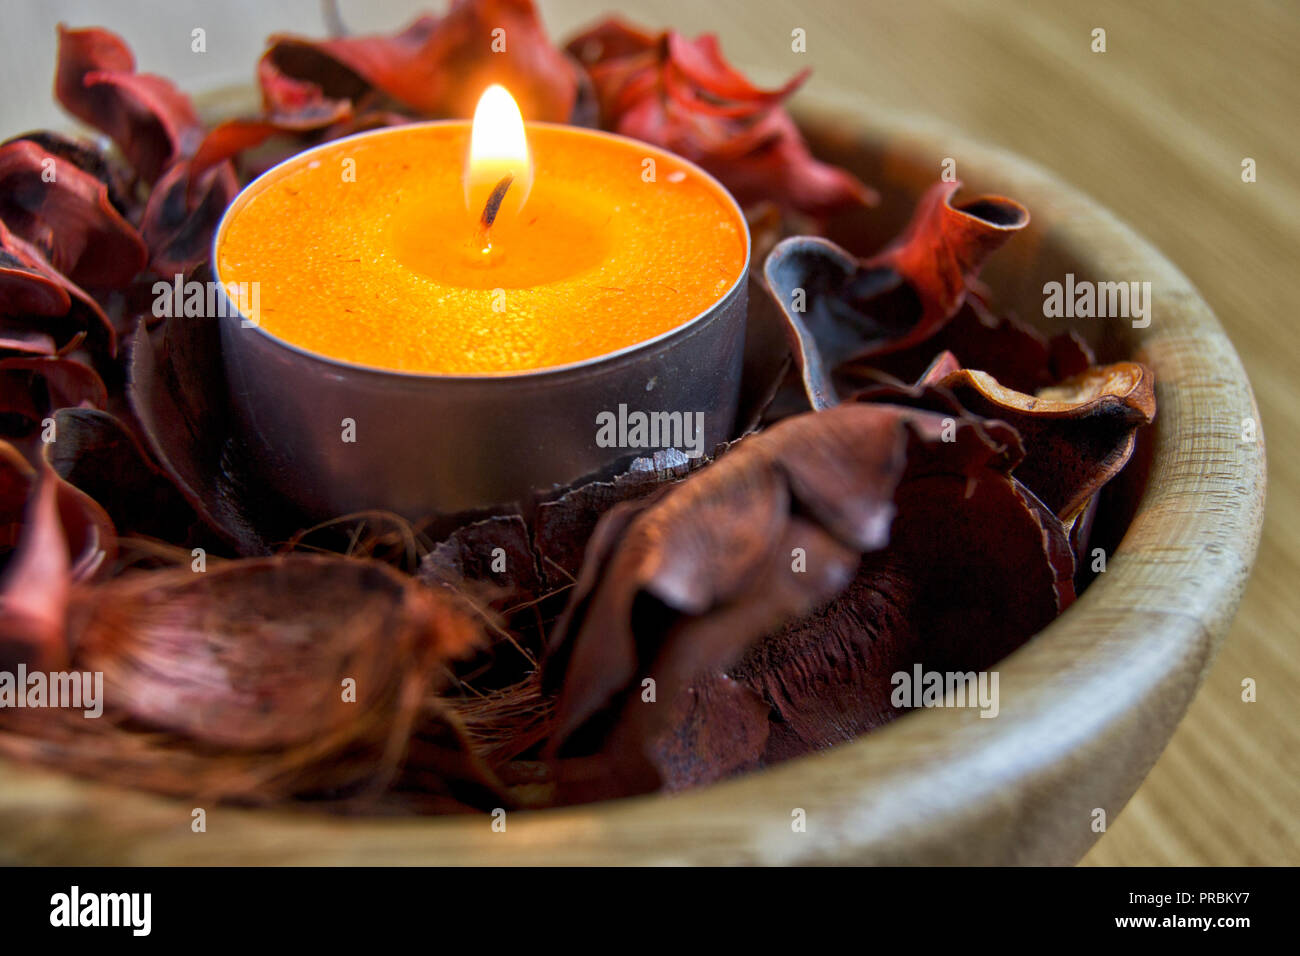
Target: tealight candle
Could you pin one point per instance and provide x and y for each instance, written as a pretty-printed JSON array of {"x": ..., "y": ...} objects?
[{"x": 447, "y": 311}]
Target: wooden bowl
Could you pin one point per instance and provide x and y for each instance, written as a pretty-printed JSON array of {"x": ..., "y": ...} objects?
[{"x": 1086, "y": 706}]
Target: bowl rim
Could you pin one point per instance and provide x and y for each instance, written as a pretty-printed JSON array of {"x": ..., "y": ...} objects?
[{"x": 1088, "y": 704}]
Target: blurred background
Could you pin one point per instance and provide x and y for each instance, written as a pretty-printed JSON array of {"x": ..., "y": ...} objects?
[{"x": 1155, "y": 128}]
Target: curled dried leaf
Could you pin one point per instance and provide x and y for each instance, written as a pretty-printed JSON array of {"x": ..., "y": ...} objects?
[
  {"x": 53, "y": 534},
  {"x": 67, "y": 214},
  {"x": 678, "y": 587},
  {"x": 682, "y": 95},
  {"x": 151, "y": 121},
  {"x": 1078, "y": 434},
  {"x": 439, "y": 66},
  {"x": 839, "y": 308},
  {"x": 183, "y": 213}
]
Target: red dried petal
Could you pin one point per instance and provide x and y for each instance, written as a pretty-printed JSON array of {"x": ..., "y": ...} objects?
[
  {"x": 89, "y": 158},
  {"x": 149, "y": 119},
  {"x": 609, "y": 42},
  {"x": 289, "y": 106},
  {"x": 942, "y": 249},
  {"x": 64, "y": 382},
  {"x": 30, "y": 286},
  {"x": 60, "y": 536},
  {"x": 440, "y": 66},
  {"x": 183, "y": 213},
  {"x": 682, "y": 95},
  {"x": 67, "y": 214},
  {"x": 15, "y": 337}
]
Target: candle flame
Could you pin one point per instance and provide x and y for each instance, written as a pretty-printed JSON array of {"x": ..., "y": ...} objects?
[{"x": 499, "y": 171}]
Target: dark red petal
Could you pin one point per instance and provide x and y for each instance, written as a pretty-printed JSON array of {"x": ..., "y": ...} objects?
[
  {"x": 30, "y": 286},
  {"x": 89, "y": 158},
  {"x": 611, "y": 39},
  {"x": 16, "y": 337},
  {"x": 152, "y": 122},
  {"x": 698, "y": 77},
  {"x": 177, "y": 389},
  {"x": 61, "y": 536},
  {"x": 440, "y": 66},
  {"x": 682, "y": 95},
  {"x": 64, "y": 382},
  {"x": 181, "y": 216},
  {"x": 98, "y": 454},
  {"x": 289, "y": 107},
  {"x": 67, "y": 214},
  {"x": 942, "y": 250}
]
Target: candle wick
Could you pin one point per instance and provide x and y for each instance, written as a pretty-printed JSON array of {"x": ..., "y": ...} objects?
[{"x": 493, "y": 205}]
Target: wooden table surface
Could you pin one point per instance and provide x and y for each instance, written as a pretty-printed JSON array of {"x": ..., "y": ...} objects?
[{"x": 1155, "y": 128}]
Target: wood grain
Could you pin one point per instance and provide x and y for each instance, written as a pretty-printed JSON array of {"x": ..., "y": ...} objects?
[{"x": 1155, "y": 129}]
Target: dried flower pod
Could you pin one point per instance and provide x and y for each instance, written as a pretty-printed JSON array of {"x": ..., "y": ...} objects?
[
  {"x": 679, "y": 587},
  {"x": 1077, "y": 435},
  {"x": 234, "y": 683},
  {"x": 58, "y": 535},
  {"x": 151, "y": 121},
  {"x": 251, "y": 654},
  {"x": 177, "y": 389},
  {"x": 89, "y": 158},
  {"x": 31, "y": 289},
  {"x": 973, "y": 569},
  {"x": 182, "y": 214},
  {"x": 33, "y": 387},
  {"x": 839, "y": 308},
  {"x": 70, "y": 217},
  {"x": 438, "y": 66},
  {"x": 682, "y": 95}
]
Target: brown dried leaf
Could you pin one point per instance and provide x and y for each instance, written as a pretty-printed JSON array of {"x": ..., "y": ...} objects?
[
  {"x": 1077, "y": 435},
  {"x": 678, "y": 587}
]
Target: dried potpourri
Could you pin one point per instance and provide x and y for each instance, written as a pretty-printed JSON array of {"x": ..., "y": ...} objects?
[{"x": 918, "y": 488}]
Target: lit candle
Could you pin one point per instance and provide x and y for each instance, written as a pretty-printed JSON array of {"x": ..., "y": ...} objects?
[{"x": 472, "y": 298}]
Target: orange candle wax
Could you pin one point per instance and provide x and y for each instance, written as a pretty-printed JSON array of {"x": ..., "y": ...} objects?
[{"x": 368, "y": 250}]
